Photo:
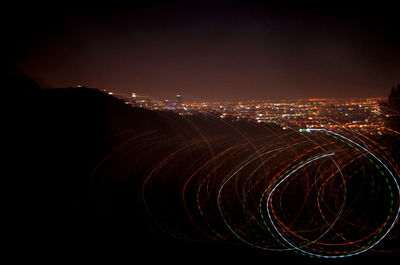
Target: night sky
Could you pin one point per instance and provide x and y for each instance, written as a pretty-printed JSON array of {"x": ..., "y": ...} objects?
[{"x": 208, "y": 50}]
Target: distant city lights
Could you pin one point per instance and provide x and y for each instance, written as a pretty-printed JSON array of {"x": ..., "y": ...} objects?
[{"x": 360, "y": 114}]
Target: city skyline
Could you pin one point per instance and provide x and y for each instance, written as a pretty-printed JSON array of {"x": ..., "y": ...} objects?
[{"x": 189, "y": 99}]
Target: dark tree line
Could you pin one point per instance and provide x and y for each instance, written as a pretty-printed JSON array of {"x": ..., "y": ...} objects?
[
  {"x": 391, "y": 108},
  {"x": 394, "y": 97}
]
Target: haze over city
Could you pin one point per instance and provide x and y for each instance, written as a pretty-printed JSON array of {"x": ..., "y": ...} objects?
[{"x": 210, "y": 50}]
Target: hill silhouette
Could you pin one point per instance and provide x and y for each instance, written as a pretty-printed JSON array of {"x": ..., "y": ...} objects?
[{"x": 56, "y": 196}]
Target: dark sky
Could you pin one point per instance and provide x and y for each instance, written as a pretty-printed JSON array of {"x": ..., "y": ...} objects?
[{"x": 208, "y": 49}]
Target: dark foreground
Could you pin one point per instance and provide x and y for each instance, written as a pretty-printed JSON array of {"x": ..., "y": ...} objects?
[{"x": 73, "y": 182}]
